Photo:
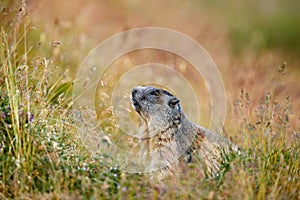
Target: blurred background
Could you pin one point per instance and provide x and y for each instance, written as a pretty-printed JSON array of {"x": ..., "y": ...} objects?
[{"x": 255, "y": 44}]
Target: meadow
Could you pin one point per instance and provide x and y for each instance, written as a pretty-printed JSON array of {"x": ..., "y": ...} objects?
[{"x": 42, "y": 45}]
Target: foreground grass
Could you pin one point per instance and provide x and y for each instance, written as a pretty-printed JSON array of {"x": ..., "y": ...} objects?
[{"x": 42, "y": 157}]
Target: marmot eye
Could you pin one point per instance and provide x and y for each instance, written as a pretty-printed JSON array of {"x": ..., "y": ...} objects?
[{"x": 154, "y": 93}]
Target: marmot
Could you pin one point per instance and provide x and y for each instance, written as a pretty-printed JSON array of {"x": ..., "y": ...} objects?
[{"x": 167, "y": 137}]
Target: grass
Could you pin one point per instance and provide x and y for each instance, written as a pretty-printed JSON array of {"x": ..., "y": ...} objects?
[{"x": 42, "y": 156}]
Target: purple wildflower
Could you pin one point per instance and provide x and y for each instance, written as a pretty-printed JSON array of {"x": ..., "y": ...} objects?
[
  {"x": 30, "y": 116},
  {"x": 3, "y": 114}
]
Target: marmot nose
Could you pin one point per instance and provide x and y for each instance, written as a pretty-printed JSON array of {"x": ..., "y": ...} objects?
[
  {"x": 136, "y": 91},
  {"x": 133, "y": 92}
]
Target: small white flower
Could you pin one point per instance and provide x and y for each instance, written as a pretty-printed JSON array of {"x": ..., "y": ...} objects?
[{"x": 54, "y": 144}]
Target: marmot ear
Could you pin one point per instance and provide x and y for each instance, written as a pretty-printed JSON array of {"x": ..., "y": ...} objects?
[{"x": 173, "y": 102}]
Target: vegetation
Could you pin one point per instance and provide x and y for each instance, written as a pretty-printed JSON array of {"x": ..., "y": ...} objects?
[
  {"x": 261, "y": 25},
  {"x": 42, "y": 156}
]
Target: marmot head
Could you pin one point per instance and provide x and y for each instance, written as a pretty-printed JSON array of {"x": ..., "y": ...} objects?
[{"x": 157, "y": 106}]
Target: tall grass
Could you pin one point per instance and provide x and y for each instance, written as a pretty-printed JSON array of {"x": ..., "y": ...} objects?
[{"x": 42, "y": 157}]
